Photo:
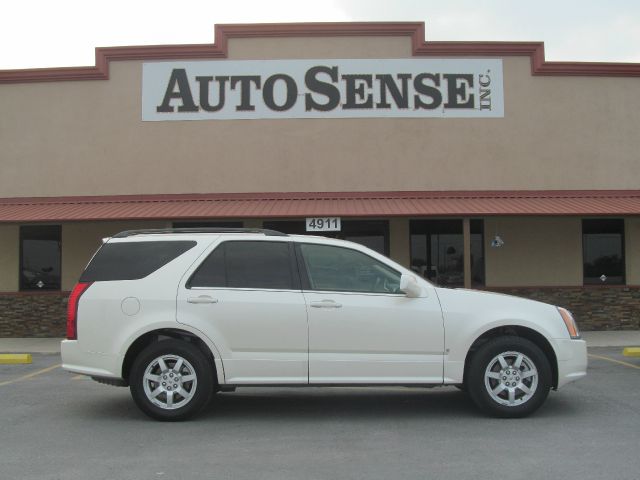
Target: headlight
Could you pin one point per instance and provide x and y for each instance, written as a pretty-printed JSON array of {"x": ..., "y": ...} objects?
[{"x": 569, "y": 322}]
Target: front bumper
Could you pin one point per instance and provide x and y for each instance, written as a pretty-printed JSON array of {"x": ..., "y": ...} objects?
[{"x": 572, "y": 360}]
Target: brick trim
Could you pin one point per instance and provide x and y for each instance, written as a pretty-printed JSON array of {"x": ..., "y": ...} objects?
[
  {"x": 36, "y": 293},
  {"x": 415, "y": 30}
]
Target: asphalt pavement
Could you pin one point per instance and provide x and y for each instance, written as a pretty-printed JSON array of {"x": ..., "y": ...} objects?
[{"x": 56, "y": 425}]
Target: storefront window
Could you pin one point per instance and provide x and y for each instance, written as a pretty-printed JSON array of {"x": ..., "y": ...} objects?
[
  {"x": 40, "y": 257},
  {"x": 370, "y": 233},
  {"x": 603, "y": 251},
  {"x": 437, "y": 251},
  {"x": 207, "y": 224}
]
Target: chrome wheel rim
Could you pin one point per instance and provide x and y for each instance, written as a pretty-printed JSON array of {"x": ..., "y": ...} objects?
[
  {"x": 511, "y": 379},
  {"x": 170, "y": 382}
]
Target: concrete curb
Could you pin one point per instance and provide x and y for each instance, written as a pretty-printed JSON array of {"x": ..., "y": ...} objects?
[{"x": 30, "y": 345}]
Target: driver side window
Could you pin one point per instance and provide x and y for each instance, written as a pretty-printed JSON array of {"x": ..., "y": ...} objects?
[{"x": 344, "y": 270}]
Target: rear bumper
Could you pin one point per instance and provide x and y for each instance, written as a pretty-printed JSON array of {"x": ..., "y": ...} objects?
[
  {"x": 76, "y": 360},
  {"x": 572, "y": 360}
]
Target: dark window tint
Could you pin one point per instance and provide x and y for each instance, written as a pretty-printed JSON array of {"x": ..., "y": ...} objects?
[
  {"x": 246, "y": 264},
  {"x": 40, "y": 257},
  {"x": 603, "y": 251},
  {"x": 211, "y": 272},
  {"x": 132, "y": 260},
  {"x": 345, "y": 270}
]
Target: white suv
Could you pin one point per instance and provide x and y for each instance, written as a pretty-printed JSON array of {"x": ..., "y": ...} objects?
[{"x": 180, "y": 314}]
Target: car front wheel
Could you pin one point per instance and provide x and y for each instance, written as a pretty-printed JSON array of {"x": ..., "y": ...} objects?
[
  {"x": 171, "y": 380},
  {"x": 509, "y": 377}
]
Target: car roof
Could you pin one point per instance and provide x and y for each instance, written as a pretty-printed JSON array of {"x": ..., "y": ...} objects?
[{"x": 176, "y": 234}]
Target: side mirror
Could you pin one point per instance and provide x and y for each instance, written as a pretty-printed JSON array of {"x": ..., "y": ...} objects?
[{"x": 409, "y": 285}]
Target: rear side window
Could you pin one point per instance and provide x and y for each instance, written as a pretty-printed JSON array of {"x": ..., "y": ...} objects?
[
  {"x": 132, "y": 260},
  {"x": 246, "y": 264}
]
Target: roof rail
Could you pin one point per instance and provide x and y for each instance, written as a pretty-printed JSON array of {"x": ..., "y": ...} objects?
[{"x": 265, "y": 231}]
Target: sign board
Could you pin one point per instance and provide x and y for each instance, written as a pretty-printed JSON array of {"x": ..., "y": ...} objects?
[
  {"x": 323, "y": 224},
  {"x": 357, "y": 88}
]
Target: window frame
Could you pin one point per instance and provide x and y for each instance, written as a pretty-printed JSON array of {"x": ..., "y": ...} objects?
[
  {"x": 21, "y": 284},
  {"x": 306, "y": 282},
  {"x": 623, "y": 252},
  {"x": 293, "y": 268}
]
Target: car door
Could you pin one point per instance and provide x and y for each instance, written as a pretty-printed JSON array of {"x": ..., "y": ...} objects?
[
  {"x": 246, "y": 297},
  {"x": 361, "y": 328}
]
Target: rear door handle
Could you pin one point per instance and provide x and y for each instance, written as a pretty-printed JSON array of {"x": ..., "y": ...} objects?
[
  {"x": 202, "y": 299},
  {"x": 326, "y": 304}
]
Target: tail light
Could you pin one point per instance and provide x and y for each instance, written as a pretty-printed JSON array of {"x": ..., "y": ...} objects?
[{"x": 72, "y": 309}]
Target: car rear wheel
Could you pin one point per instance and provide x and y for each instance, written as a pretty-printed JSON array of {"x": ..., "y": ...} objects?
[
  {"x": 509, "y": 377},
  {"x": 171, "y": 380}
]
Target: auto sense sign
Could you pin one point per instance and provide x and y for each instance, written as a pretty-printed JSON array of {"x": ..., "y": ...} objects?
[{"x": 254, "y": 89}]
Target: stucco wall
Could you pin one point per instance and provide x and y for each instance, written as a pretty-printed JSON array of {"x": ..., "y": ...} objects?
[
  {"x": 9, "y": 257},
  {"x": 400, "y": 241},
  {"x": 537, "y": 251},
  {"x": 558, "y": 133},
  {"x": 632, "y": 250}
]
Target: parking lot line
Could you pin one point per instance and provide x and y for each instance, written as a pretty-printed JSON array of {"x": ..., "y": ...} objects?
[
  {"x": 31, "y": 375},
  {"x": 609, "y": 359}
]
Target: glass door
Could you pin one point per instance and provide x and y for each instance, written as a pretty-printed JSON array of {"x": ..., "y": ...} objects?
[{"x": 437, "y": 251}]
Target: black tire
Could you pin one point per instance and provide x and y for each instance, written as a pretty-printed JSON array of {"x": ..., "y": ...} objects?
[
  {"x": 193, "y": 393},
  {"x": 481, "y": 382}
]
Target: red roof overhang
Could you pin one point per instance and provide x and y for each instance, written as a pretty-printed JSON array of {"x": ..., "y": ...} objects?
[{"x": 343, "y": 204}]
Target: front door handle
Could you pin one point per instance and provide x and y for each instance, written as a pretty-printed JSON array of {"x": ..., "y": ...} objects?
[
  {"x": 326, "y": 304},
  {"x": 202, "y": 299}
]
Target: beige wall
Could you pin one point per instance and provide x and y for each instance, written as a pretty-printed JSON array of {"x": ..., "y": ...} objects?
[
  {"x": 81, "y": 240},
  {"x": 400, "y": 241},
  {"x": 558, "y": 133},
  {"x": 9, "y": 258},
  {"x": 537, "y": 251},
  {"x": 632, "y": 250}
]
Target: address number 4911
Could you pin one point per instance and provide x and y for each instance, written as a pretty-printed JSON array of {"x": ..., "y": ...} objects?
[{"x": 323, "y": 224}]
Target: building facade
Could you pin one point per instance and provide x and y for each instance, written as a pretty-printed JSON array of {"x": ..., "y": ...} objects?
[{"x": 476, "y": 164}]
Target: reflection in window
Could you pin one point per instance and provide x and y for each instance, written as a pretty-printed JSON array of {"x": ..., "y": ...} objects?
[
  {"x": 437, "y": 251},
  {"x": 40, "y": 257},
  {"x": 603, "y": 251},
  {"x": 344, "y": 270}
]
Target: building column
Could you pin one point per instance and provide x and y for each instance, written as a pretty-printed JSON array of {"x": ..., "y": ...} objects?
[
  {"x": 400, "y": 241},
  {"x": 466, "y": 239},
  {"x": 252, "y": 222}
]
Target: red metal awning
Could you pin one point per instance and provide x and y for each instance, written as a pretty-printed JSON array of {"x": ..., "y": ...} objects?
[{"x": 343, "y": 204}]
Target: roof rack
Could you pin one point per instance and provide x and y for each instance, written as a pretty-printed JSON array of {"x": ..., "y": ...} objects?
[{"x": 265, "y": 231}]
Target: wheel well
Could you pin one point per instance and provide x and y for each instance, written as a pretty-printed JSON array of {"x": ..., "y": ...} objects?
[
  {"x": 158, "y": 336},
  {"x": 539, "y": 340}
]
